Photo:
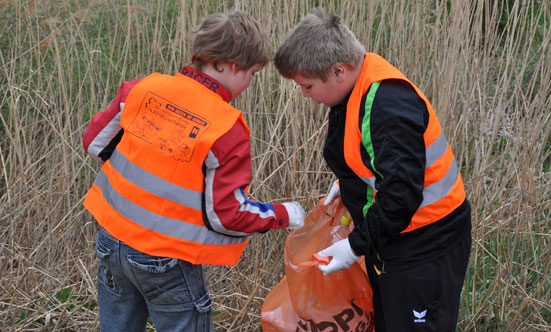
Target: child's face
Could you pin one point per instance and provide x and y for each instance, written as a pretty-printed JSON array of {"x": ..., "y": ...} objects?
[
  {"x": 241, "y": 79},
  {"x": 327, "y": 93}
]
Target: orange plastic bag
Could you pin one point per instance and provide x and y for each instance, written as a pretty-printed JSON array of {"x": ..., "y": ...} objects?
[{"x": 305, "y": 299}]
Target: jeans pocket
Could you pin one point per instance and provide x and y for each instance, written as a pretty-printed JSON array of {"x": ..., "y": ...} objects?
[
  {"x": 159, "y": 281},
  {"x": 151, "y": 264},
  {"x": 165, "y": 281}
]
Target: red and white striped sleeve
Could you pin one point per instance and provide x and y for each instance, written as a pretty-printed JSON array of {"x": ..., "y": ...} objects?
[
  {"x": 227, "y": 207},
  {"x": 104, "y": 130}
]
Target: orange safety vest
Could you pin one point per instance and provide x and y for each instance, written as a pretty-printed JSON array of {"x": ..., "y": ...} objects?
[
  {"x": 149, "y": 193},
  {"x": 443, "y": 188}
]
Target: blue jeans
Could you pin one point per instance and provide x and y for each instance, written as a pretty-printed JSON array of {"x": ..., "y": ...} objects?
[{"x": 133, "y": 285}]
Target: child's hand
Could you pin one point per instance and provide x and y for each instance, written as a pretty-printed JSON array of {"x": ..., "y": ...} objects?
[
  {"x": 343, "y": 257},
  {"x": 296, "y": 215},
  {"x": 333, "y": 192}
]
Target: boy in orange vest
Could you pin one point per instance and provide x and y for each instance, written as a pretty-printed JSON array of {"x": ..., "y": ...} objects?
[
  {"x": 396, "y": 174},
  {"x": 172, "y": 190}
]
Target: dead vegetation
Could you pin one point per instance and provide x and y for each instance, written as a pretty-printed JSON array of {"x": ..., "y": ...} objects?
[{"x": 484, "y": 64}]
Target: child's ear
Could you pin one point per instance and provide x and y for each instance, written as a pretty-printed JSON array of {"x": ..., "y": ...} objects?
[
  {"x": 233, "y": 67},
  {"x": 339, "y": 70}
]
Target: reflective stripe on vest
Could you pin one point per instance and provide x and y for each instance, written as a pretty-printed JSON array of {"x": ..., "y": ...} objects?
[
  {"x": 443, "y": 189},
  {"x": 158, "y": 223},
  {"x": 154, "y": 184},
  {"x": 149, "y": 193}
]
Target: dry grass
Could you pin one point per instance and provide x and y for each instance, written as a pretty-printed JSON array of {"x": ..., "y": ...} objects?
[{"x": 484, "y": 64}]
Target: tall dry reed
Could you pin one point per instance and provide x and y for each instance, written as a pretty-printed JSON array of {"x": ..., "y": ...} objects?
[{"x": 484, "y": 64}]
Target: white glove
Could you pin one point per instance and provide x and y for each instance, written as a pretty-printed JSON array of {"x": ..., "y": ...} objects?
[
  {"x": 296, "y": 215},
  {"x": 333, "y": 192},
  {"x": 343, "y": 257}
]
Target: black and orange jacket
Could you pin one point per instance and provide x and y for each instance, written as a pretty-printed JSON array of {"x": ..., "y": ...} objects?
[{"x": 397, "y": 173}]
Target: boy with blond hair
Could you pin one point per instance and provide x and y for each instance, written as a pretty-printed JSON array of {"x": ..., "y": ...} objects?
[
  {"x": 396, "y": 174},
  {"x": 172, "y": 190}
]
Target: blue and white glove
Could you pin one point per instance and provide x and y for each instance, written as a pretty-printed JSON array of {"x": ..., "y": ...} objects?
[
  {"x": 343, "y": 257},
  {"x": 333, "y": 192}
]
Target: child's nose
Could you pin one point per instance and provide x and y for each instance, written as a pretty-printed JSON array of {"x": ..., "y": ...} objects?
[{"x": 304, "y": 91}]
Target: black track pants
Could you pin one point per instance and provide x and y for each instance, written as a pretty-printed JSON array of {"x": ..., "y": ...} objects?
[{"x": 423, "y": 298}]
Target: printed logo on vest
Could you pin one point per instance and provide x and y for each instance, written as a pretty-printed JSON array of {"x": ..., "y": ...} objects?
[
  {"x": 170, "y": 128},
  {"x": 194, "y": 132}
]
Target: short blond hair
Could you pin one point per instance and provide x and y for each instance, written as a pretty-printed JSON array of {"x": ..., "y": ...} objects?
[
  {"x": 234, "y": 37},
  {"x": 316, "y": 44}
]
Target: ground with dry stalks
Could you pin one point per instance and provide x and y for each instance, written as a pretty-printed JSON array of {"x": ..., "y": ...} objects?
[{"x": 485, "y": 64}]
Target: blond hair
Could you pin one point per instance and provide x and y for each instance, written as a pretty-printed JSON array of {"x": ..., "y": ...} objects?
[
  {"x": 316, "y": 44},
  {"x": 233, "y": 37}
]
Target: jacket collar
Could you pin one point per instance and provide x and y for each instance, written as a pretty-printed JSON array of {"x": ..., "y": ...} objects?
[{"x": 207, "y": 81}]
